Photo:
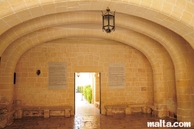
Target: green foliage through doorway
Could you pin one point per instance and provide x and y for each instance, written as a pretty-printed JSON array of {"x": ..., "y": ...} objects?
[{"x": 86, "y": 91}]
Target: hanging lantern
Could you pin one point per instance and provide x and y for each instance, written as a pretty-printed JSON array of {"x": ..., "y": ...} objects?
[{"x": 108, "y": 21}]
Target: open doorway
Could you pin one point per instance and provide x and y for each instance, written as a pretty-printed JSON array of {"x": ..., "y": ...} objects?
[{"x": 87, "y": 93}]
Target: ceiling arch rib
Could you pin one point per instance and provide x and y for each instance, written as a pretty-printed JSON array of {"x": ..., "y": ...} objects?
[
  {"x": 43, "y": 22},
  {"x": 176, "y": 15},
  {"x": 48, "y": 34}
]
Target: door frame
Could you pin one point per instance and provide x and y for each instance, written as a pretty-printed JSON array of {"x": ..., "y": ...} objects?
[{"x": 99, "y": 73}]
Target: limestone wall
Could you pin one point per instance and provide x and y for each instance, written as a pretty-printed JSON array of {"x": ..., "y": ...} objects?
[{"x": 89, "y": 55}]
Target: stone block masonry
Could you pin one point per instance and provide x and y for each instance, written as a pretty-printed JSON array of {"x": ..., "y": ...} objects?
[{"x": 89, "y": 56}]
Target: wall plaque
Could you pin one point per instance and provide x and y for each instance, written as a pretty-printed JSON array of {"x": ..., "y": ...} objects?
[
  {"x": 117, "y": 75},
  {"x": 57, "y": 75}
]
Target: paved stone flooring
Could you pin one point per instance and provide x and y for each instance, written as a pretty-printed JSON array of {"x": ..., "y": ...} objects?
[
  {"x": 133, "y": 121},
  {"x": 88, "y": 117}
]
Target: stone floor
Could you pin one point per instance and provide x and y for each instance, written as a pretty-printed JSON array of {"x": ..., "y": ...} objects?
[
  {"x": 133, "y": 121},
  {"x": 88, "y": 117}
]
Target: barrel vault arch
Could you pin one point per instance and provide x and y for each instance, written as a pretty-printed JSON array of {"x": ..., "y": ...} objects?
[
  {"x": 148, "y": 50},
  {"x": 161, "y": 12}
]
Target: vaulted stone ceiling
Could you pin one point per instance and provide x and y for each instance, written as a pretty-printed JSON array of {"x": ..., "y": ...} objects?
[
  {"x": 177, "y": 16},
  {"x": 146, "y": 25},
  {"x": 155, "y": 19}
]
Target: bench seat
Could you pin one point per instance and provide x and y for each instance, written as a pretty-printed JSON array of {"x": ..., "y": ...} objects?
[
  {"x": 41, "y": 111},
  {"x": 127, "y": 109},
  {"x": 115, "y": 109}
]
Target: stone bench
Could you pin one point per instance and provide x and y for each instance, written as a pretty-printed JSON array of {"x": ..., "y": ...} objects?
[
  {"x": 143, "y": 107},
  {"x": 127, "y": 109},
  {"x": 115, "y": 109},
  {"x": 6, "y": 115},
  {"x": 44, "y": 111},
  {"x": 6, "y": 119}
]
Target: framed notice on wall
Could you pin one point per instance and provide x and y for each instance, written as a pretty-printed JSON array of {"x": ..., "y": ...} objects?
[
  {"x": 117, "y": 75},
  {"x": 57, "y": 75}
]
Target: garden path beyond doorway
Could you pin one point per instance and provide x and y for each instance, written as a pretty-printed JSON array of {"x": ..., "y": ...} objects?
[{"x": 84, "y": 108}]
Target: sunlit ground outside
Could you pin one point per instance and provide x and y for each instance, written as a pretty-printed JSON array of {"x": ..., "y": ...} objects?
[{"x": 83, "y": 107}]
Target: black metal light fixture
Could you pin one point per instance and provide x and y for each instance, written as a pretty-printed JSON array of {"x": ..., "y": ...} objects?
[{"x": 108, "y": 21}]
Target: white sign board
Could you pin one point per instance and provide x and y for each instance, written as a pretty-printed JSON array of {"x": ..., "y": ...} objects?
[
  {"x": 117, "y": 75},
  {"x": 57, "y": 75}
]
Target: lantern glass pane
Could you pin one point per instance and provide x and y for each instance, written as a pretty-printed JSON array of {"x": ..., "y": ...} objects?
[
  {"x": 105, "y": 20},
  {"x": 111, "y": 20}
]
